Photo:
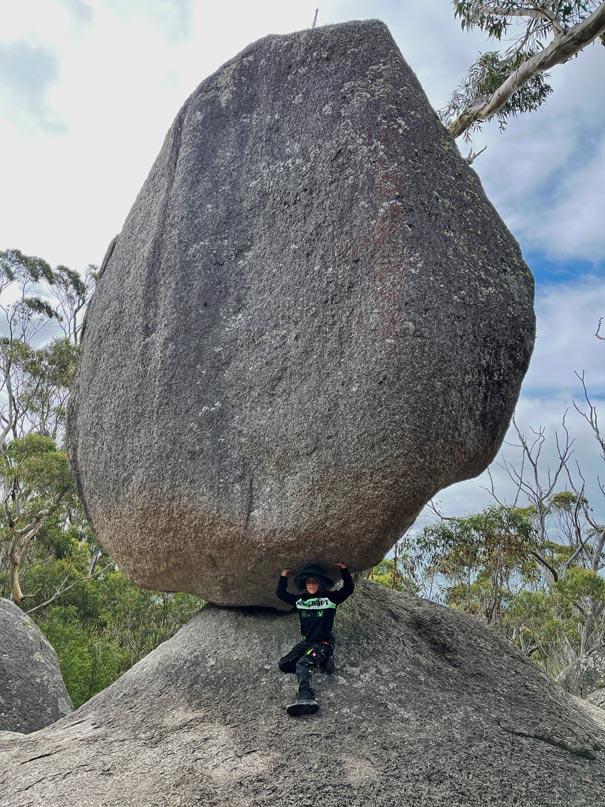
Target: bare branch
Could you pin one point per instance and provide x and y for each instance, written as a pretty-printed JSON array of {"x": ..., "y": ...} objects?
[
  {"x": 492, "y": 489},
  {"x": 432, "y": 506},
  {"x": 592, "y": 416},
  {"x": 472, "y": 156},
  {"x": 538, "y": 13},
  {"x": 63, "y": 588},
  {"x": 549, "y": 572}
]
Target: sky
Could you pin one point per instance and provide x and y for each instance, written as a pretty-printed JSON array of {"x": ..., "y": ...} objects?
[{"x": 89, "y": 88}]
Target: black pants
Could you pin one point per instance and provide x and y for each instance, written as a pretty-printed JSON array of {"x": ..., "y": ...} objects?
[{"x": 302, "y": 659}]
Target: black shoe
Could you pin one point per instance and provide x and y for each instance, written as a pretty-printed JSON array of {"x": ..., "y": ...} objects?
[
  {"x": 329, "y": 666},
  {"x": 302, "y": 706}
]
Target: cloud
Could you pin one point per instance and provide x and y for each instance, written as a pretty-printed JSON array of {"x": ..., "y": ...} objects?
[
  {"x": 545, "y": 174},
  {"x": 26, "y": 73},
  {"x": 80, "y": 10},
  {"x": 575, "y": 225},
  {"x": 567, "y": 316},
  {"x": 174, "y": 18}
]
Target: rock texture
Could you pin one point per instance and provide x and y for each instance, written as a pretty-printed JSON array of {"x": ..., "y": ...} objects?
[
  {"x": 587, "y": 675},
  {"x": 32, "y": 692},
  {"x": 597, "y": 698},
  {"x": 427, "y": 709},
  {"x": 312, "y": 320}
]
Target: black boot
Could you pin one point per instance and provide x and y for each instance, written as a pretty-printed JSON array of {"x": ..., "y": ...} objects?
[
  {"x": 306, "y": 694},
  {"x": 305, "y": 704}
]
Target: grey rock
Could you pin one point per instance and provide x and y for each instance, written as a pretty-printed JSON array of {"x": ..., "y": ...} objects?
[
  {"x": 586, "y": 675},
  {"x": 427, "y": 708},
  {"x": 598, "y": 698},
  {"x": 312, "y": 320},
  {"x": 32, "y": 692}
]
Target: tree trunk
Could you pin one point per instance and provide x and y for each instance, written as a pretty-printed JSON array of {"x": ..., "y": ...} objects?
[{"x": 16, "y": 592}]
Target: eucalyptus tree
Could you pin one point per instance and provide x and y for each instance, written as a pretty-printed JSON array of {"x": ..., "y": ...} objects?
[
  {"x": 41, "y": 313},
  {"x": 533, "y": 36}
]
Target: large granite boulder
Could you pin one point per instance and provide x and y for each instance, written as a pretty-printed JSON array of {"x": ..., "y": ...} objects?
[
  {"x": 32, "y": 692},
  {"x": 427, "y": 708},
  {"x": 312, "y": 321}
]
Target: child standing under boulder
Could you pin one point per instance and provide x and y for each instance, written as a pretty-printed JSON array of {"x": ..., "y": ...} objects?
[{"x": 316, "y": 607}]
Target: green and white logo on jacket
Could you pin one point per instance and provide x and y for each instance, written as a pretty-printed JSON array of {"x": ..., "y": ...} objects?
[{"x": 315, "y": 604}]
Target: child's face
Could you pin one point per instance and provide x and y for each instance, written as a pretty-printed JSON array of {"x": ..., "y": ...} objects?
[{"x": 312, "y": 585}]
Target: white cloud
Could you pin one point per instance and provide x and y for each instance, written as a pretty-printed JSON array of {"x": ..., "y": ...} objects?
[
  {"x": 81, "y": 10},
  {"x": 575, "y": 224},
  {"x": 567, "y": 317},
  {"x": 26, "y": 74},
  {"x": 174, "y": 19},
  {"x": 545, "y": 174},
  {"x": 122, "y": 77}
]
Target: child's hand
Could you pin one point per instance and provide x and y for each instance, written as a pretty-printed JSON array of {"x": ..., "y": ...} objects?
[
  {"x": 340, "y": 565},
  {"x": 287, "y": 572}
]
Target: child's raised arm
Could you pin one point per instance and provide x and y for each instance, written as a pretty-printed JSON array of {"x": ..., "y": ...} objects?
[
  {"x": 282, "y": 592},
  {"x": 348, "y": 586}
]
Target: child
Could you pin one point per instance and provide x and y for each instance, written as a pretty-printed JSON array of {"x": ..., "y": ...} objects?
[{"x": 316, "y": 608}]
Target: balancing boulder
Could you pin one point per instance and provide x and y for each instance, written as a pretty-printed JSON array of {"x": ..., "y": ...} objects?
[{"x": 312, "y": 321}]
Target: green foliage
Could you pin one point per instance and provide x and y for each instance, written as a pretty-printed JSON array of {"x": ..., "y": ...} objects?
[
  {"x": 492, "y": 565},
  {"x": 100, "y": 626},
  {"x": 15, "y": 266},
  {"x": 580, "y": 589},
  {"x": 477, "y": 558},
  {"x": 527, "y": 28},
  {"x": 106, "y": 625},
  {"x": 89, "y": 660},
  {"x": 392, "y": 573},
  {"x": 500, "y": 18},
  {"x": 35, "y": 468},
  {"x": 385, "y": 574},
  {"x": 485, "y": 76}
]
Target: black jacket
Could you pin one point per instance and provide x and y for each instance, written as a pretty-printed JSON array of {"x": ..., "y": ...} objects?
[{"x": 316, "y": 612}]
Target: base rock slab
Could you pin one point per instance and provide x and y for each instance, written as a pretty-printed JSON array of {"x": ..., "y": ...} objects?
[{"x": 427, "y": 708}]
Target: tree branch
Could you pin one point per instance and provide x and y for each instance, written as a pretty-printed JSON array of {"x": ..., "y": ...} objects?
[
  {"x": 63, "y": 588},
  {"x": 563, "y": 47},
  {"x": 472, "y": 156},
  {"x": 552, "y": 575},
  {"x": 538, "y": 13}
]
